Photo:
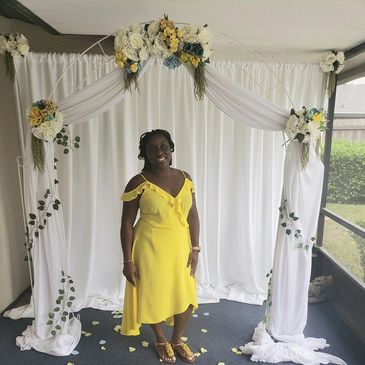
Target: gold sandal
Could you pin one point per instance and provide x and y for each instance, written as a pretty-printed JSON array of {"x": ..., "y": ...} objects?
[
  {"x": 183, "y": 351},
  {"x": 170, "y": 358}
]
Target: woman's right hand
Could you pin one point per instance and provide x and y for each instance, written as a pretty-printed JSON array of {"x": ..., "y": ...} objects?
[{"x": 130, "y": 272}]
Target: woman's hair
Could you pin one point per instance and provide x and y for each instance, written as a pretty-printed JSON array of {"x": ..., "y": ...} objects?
[{"x": 143, "y": 140}]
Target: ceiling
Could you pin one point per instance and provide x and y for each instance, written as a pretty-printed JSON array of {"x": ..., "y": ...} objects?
[{"x": 266, "y": 30}]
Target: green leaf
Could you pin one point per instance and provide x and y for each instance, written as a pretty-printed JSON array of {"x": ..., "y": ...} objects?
[
  {"x": 59, "y": 141},
  {"x": 300, "y": 137},
  {"x": 58, "y": 327},
  {"x": 62, "y": 273},
  {"x": 41, "y": 227},
  {"x": 65, "y": 313},
  {"x": 58, "y": 135},
  {"x": 63, "y": 130},
  {"x": 64, "y": 143},
  {"x": 51, "y": 315},
  {"x": 56, "y": 309},
  {"x": 50, "y": 322},
  {"x": 283, "y": 224},
  {"x": 313, "y": 238},
  {"x": 291, "y": 214},
  {"x": 66, "y": 151},
  {"x": 58, "y": 301},
  {"x": 72, "y": 288},
  {"x": 72, "y": 298},
  {"x": 61, "y": 291},
  {"x": 36, "y": 233},
  {"x": 298, "y": 230},
  {"x": 288, "y": 231},
  {"x": 63, "y": 319},
  {"x": 48, "y": 214},
  {"x": 65, "y": 137},
  {"x": 53, "y": 332},
  {"x": 77, "y": 139},
  {"x": 71, "y": 281},
  {"x": 56, "y": 181},
  {"x": 31, "y": 223},
  {"x": 63, "y": 280},
  {"x": 32, "y": 216},
  {"x": 77, "y": 145},
  {"x": 55, "y": 206},
  {"x": 48, "y": 191},
  {"x": 41, "y": 202},
  {"x": 57, "y": 201},
  {"x": 295, "y": 218},
  {"x": 41, "y": 207},
  {"x": 69, "y": 304},
  {"x": 55, "y": 160}
]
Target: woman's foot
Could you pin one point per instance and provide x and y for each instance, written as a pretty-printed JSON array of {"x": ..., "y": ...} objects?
[
  {"x": 165, "y": 352},
  {"x": 182, "y": 350}
]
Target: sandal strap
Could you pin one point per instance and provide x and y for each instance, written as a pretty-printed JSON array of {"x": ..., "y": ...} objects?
[
  {"x": 168, "y": 348},
  {"x": 185, "y": 348}
]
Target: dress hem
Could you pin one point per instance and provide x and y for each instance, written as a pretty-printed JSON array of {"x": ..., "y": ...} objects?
[{"x": 136, "y": 332}]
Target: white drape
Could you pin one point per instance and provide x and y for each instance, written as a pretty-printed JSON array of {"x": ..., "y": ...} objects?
[
  {"x": 229, "y": 162},
  {"x": 286, "y": 315}
]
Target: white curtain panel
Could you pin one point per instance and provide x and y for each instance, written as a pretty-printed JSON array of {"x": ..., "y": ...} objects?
[{"x": 237, "y": 170}]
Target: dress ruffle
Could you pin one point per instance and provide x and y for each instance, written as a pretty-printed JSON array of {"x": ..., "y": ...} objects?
[
  {"x": 131, "y": 195},
  {"x": 174, "y": 202}
]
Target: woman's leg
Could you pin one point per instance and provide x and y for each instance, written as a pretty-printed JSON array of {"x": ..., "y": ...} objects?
[{"x": 180, "y": 321}]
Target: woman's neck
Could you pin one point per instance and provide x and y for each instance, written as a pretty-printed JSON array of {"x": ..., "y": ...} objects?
[{"x": 163, "y": 171}]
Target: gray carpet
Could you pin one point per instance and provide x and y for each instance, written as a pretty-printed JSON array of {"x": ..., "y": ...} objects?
[{"x": 229, "y": 324}]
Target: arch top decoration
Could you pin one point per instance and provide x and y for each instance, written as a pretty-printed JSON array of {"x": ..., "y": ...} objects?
[{"x": 137, "y": 47}]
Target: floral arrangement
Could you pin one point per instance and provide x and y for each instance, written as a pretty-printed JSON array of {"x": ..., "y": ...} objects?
[
  {"x": 46, "y": 122},
  {"x": 131, "y": 51},
  {"x": 306, "y": 127},
  {"x": 332, "y": 62},
  {"x": 12, "y": 46},
  {"x": 189, "y": 45}
]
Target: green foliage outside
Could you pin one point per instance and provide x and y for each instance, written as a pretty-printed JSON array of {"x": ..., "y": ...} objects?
[
  {"x": 360, "y": 242},
  {"x": 347, "y": 247},
  {"x": 347, "y": 172}
]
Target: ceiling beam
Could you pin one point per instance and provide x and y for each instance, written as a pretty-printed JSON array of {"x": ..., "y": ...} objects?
[{"x": 12, "y": 8}]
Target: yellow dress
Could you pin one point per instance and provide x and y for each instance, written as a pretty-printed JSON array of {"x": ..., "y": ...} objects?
[{"x": 161, "y": 246}]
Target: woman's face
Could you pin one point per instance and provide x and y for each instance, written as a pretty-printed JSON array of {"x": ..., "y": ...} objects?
[{"x": 158, "y": 151}]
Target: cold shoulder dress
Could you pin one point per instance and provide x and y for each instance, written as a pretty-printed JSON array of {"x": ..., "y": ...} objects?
[{"x": 161, "y": 247}]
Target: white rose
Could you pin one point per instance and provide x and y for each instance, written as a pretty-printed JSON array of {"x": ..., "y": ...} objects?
[
  {"x": 15, "y": 54},
  {"x": 160, "y": 49},
  {"x": 21, "y": 39},
  {"x": 135, "y": 40},
  {"x": 291, "y": 126},
  {"x": 119, "y": 40},
  {"x": 207, "y": 48},
  {"x": 12, "y": 37},
  {"x": 143, "y": 54},
  {"x": 326, "y": 67},
  {"x": 339, "y": 68},
  {"x": 153, "y": 29},
  {"x": 204, "y": 35},
  {"x": 11, "y": 46},
  {"x": 3, "y": 42},
  {"x": 340, "y": 56},
  {"x": 130, "y": 53},
  {"x": 47, "y": 131},
  {"x": 23, "y": 49},
  {"x": 135, "y": 28},
  {"x": 191, "y": 38},
  {"x": 329, "y": 57}
]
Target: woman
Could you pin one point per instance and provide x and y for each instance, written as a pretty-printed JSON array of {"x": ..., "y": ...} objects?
[{"x": 161, "y": 250}]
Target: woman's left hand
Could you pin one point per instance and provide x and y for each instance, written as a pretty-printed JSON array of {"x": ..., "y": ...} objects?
[{"x": 193, "y": 262}]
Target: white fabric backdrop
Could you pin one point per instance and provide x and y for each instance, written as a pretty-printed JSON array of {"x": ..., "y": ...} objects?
[{"x": 229, "y": 162}]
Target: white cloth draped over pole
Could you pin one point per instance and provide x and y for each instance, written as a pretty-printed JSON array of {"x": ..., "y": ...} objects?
[
  {"x": 87, "y": 103},
  {"x": 287, "y": 303}
]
